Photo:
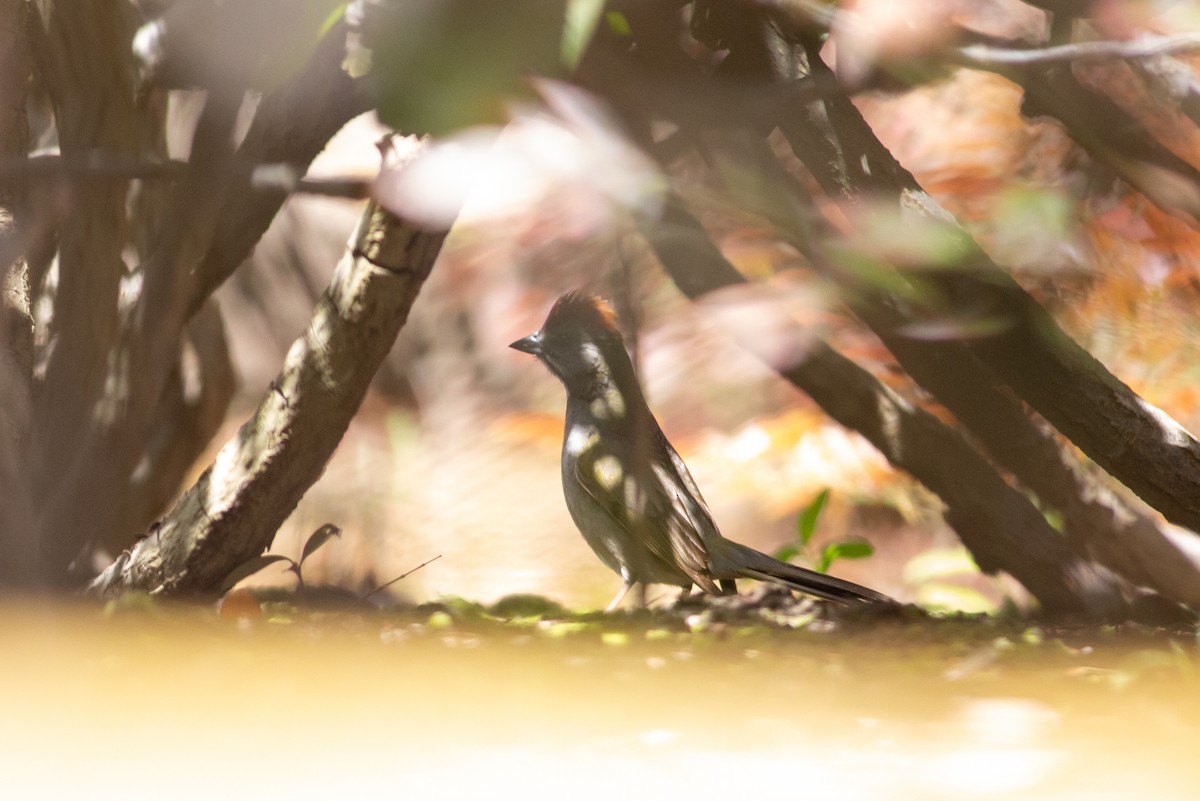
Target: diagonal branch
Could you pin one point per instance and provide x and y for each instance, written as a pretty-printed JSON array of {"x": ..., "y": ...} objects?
[
  {"x": 1001, "y": 528},
  {"x": 1137, "y": 443},
  {"x": 232, "y": 512}
]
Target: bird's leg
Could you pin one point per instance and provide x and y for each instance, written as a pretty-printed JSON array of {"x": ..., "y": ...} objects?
[
  {"x": 728, "y": 586},
  {"x": 684, "y": 594},
  {"x": 641, "y": 595},
  {"x": 615, "y": 602}
]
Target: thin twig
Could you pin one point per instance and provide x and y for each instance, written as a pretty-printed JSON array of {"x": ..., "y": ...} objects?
[
  {"x": 96, "y": 166},
  {"x": 100, "y": 166},
  {"x": 401, "y": 576},
  {"x": 1144, "y": 47},
  {"x": 288, "y": 178}
]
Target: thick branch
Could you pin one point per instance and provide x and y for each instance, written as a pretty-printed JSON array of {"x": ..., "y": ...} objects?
[
  {"x": 998, "y": 525},
  {"x": 1137, "y": 443},
  {"x": 1128, "y": 542},
  {"x": 234, "y": 509}
]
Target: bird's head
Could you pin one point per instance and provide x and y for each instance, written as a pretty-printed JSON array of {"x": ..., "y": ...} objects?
[{"x": 581, "y": 345}]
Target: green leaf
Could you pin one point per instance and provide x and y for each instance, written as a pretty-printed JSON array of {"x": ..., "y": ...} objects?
[
  {"x": 578, "y": 29},
  {"x": 618, "y": 23},
  {"x": 843, "y": 549},
  {"x": 807, "y": 522},
  {"x": 526, "y": 605},
  {"x": 250, "y": 567},
  {"x": 787, "y": 553},
  {"x": 439, "y": 66},
  {"x": 335, "y": 16},
  {"x": 318, "y": 538}
]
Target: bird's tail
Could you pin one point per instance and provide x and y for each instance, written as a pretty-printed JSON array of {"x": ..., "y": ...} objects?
[{"x": 753, "y": 564}]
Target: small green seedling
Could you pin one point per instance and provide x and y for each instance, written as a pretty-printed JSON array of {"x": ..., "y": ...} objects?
[
  {"x": 251, "y": 566},
  {"x": 806, "y": 526}
]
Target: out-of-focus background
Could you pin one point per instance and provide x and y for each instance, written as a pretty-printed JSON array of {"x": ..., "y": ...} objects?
[
  {"x": 455, "y": 453},
  {"x": 453, "y": 459}
]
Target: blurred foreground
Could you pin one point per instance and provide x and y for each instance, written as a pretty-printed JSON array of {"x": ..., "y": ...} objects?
[{"x": 181, "y": 704}]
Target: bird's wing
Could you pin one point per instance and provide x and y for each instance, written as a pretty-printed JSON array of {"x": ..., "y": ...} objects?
[
  {"x": 684, "y": 515},
  {"x": 652, "y": 510}
]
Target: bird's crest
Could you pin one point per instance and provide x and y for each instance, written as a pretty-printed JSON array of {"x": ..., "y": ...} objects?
[{"x": 578, "y": 309}]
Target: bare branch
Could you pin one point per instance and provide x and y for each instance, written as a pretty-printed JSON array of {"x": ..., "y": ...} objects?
[
  {"x": 100, "y": 166},
  {"x": 981, "y": 55}
]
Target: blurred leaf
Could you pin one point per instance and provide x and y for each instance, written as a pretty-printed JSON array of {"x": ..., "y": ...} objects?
[
  {"x": 618, "y": 23},
  {"x": 335, "y": 16},
  {"x": 806, "y": 524},
  {"x": 1055, "y": 518},
  {"x": 318, "y": 538},
  {"x": 250, "y": 567},
  {"x": 953, "y": 598},
  {"x": 557, "y": 629},
  {"x": 956, "y": 328},
  {"x": 443, "y": 65},
  {"x": 526, "y": 605},
  {"x": 240, "y": 605},
  {"x": 440, "y": 620},
  {"x": 787, "y": 553},
  {"x": 916, "y": 233},
  {"x": 135, "y": 601},
  {"x": 1034, "y": 227},
  {"x": 578, "y": 29},
  {"x": 463, "y": 610},
  {"x": 845, "y": 549},
  {"x": 937, "y": 563}
]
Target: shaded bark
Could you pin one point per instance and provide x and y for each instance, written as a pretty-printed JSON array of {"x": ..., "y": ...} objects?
[
  {"x": 232, "y": 512},
  {"x": 81, "y": 505},
  {"x": 18, "y": 549},
  {"x": 1137, "y": 443},
  {"x": 193, "y": 408},
  {"x": 81, "y": 53},
  {"x": 208, "y": 224}
]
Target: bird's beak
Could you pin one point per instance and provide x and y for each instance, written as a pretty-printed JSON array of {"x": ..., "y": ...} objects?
[{"x": 530, "y": 344}]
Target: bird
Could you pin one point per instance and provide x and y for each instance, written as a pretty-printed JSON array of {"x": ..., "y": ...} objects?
[{"x": 627, "y": 489}]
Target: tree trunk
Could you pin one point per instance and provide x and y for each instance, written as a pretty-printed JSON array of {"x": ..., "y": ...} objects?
[
  {"x": 18, "y": 548},
  {"x": 233, "y": 511}
]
